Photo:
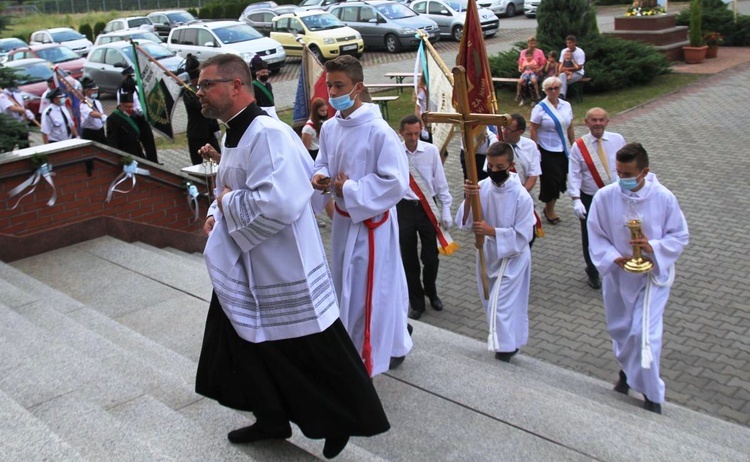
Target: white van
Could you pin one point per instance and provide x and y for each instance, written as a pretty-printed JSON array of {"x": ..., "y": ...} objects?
[{"x": 204, "y": 40}]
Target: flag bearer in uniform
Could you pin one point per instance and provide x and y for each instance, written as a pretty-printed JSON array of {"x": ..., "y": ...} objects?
[
  {"x": 273, "y": 343},
  {"x": 57, "y": 123},
  {"x": 93, "y": 117}
]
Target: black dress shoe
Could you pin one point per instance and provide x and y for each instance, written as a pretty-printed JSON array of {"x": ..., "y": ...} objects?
[
  {"x": 409, "y": 329},
  {"x": 334, "y": 446},
  {"x": 415, "y": 314},
  {"x": 594, "y": 282},
  {"x": 505, "y": 356},
  {"x": 256, "y": 432},
  {"x": 436, "y": 304},
  {"x": 396, "y": 361},
  {"x": 651, "y": 406},
  {"x": 622, "y": 385}
]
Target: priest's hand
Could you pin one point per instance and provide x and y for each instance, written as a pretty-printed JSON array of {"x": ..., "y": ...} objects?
[
  {"x": 338, "y": 184},
  {"x": 481, "y": 228},
  {"x": 208, "y": 226},
  {"x": 209, "y": 153},
  {"x": 221, "y": 196},
  {"x": 321, "y": 182}
]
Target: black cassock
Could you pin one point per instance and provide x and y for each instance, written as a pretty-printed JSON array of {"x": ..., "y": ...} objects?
[{"x": 122, "y": 135}]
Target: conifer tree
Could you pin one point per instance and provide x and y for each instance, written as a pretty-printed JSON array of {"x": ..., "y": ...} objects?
[{"x": 556, "y": 19}]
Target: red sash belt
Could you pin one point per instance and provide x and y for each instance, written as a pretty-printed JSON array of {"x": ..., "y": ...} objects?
[
  {"x": 371, "y": 226},
  {"x": 589, "y": 162}
]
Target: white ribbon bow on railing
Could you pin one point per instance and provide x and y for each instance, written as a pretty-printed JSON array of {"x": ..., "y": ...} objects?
[
  {"x": 128, "y": 171},
  {"x": 44, "y": 171},
  {"x": 192, "y": 199}
]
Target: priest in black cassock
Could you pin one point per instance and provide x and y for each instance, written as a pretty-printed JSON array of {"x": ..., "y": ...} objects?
[
  {"x": 274, "y": 343},
  {"x": 130, "y": 132}
]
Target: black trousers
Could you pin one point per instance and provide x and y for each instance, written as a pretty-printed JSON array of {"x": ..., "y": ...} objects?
[
  {"x": 412, "y": 223},
  {"x": 590, "y": 268},
  {"x": 94, "y": 135},
  {"x": 481, "y": 174}
]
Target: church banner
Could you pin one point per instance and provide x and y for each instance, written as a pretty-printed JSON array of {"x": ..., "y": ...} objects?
[{"x": 158, "y": 92}]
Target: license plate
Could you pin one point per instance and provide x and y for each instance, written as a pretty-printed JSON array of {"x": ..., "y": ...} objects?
[{"x": 349, "y": 47}]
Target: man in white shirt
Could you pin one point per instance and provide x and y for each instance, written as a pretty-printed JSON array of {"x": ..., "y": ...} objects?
[
  {"x": 591, "y": 166},
  {"x": 13, "y": 105},
  {"x": 579, "y": 56},
  {"x": 418, "y": 216},
  {"x": 93, "y": 117},
  {"x": 634, "y": 302},
  {"x": 57, "y": 123}
]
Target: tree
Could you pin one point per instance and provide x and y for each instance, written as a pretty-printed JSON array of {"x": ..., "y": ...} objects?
[
  {"x": 11, "y": 131},
  {"x": 556, "y": 19}
]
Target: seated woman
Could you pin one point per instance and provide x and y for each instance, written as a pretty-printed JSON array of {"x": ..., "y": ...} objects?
[{"x": 526, "y": 81}]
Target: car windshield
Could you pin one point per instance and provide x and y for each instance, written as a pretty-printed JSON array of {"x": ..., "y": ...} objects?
[
  {"x": 458, "y": 5},
  {"x": 138, "y": 22},
  {"x": 309, "y": 2},
  {"x": 237, "y": 33},
  {"x": 155, "y": 50},
  {"x": 11, "y": 44},
  {"x": 33, "y": 73},
  {"x": 144, "y": 36},
  {"x": 66, "y": 36},
  {"x": 57, "y": 54},
  {"x": 181, "y": 16},
  {"x": 323, "y": 21},
  {"x": 396, "y": 11}
]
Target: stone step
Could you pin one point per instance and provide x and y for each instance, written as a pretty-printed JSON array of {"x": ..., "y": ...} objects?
[
  {"x": 24, "y": 437},
  {"x": 461, "y": 369},
  {"x": 196, "y": 257}
]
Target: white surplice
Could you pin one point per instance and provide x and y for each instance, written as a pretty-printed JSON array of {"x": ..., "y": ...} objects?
[
  {"x": 510, "y": 210},
  {"x": 665, "y": 227},
  {"x": 370, "y": 154},
  {"x": 265, "y": 255}
]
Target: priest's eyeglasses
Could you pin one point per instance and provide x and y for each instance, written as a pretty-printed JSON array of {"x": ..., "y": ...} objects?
[{"x": 207, "y": 84}]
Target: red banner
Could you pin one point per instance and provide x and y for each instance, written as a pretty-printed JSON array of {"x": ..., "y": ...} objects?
[{"x": 472, "y": 55}]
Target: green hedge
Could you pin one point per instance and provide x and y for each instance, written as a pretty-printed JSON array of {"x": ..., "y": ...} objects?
[
  {"x": 717, "y": 17},
  {"x": 611, "y": 63}
]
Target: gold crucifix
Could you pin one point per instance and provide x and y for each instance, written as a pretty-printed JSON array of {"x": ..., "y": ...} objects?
[{"x": 468, "y": 121}]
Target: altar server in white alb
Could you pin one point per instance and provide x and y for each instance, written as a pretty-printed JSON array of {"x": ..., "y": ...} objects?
[
  {"x": 591, "y": 166},
  {"x": 634, "y": 302},
  {"x": 273, "y": 343},
  {"x": 361, "y": 159},
  {"x": 508, "y": 212}
]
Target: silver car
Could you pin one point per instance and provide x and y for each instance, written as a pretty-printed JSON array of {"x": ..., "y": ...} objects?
[
  {"x": 106, "y": 62},
  {"x": 530, "y": 6},
  {"x": 508, "y": 8},
  {"x": 261, "y": 19},
  {"x": 450, "y": 16},
  {"x": 102, "y": 39}
]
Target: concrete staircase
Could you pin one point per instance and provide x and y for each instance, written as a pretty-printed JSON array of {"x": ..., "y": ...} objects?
[{"x": 100, "y": 343}]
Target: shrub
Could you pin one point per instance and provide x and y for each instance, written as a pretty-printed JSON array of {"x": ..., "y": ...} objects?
[
  {"x": 696, "y": 30},
  {"x": 86, "y": 30},
  {"x": 99, "y": 27},
  {"x": 717, "y": 17},
  {"x": 556, "y": 19},
  {"x": 611, "y": 63},
  {"x": 193, "y": 11}
]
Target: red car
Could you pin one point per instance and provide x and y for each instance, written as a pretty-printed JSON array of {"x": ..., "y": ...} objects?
[
  {"x": 31, "y": 80},
  {"x": 59, "y": 55}
]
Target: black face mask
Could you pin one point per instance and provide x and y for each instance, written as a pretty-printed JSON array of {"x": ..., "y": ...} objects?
[
  {"x": 263, "y": 78},
  {"x": 499, "y": 176}
]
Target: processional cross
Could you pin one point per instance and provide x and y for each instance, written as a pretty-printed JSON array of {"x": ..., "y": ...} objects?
[{"x": 468, "y": 121}]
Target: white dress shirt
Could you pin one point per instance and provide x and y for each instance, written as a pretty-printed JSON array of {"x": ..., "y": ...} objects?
[
  {"x": 580, "y": 178},
  {"x": 426, "y": 159}
]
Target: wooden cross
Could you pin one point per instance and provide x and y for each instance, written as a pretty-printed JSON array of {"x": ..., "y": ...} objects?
[{"x": 468, "y": 121}]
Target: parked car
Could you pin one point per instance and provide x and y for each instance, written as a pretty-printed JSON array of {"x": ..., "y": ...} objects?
[
  {"x": 257, "y": 5},
  {"x": 508, "y": 8},
  {"x": 132, "y": 22},
  {"x": 136, "y": 34},
  {"x": 31, "y": 79},
  {"x": 106, "y": 62},
  {"x": 59, "y": 55},
  {"x": 165, "y": 21},
  {"x": 530, "y": 6},
  {"x": 450, "y": 16},
  {"x": 9, "y": 44},
  {"x": 261, "y": 19},
  {"x": 62, "y": 36},
  {"x": 208, "y": 39},
  {"x": 384, "y": 23},
  {"x": 318, "y": 4},
  {"x": 324, "y": 34}
]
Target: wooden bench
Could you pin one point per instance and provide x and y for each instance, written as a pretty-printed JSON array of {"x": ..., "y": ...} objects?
[
  {"x": 574, "y": 90},
  {"x": 383, "y": 103},
  {"x": 400, "y": 76},
  {"x": 398, "y": 86}
]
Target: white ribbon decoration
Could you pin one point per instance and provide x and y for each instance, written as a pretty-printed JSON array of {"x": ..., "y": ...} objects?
[
  {"x": 44, "y": 171},
  {"x": 192, "y": 199},
  {"x": 128, "y": 171},
  {"x": 647, "y": 356}
]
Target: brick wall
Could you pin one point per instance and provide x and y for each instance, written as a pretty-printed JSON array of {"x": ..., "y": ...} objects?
[{"x": 82, "y": 177}]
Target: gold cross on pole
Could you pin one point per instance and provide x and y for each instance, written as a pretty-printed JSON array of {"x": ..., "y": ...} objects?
[{"x": 468, "y": 121}]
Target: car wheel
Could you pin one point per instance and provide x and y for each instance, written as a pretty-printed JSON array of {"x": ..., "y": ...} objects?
[
  {"x": 392, "y": 43},
  {"x": 317, "y": 53},
  {"x": 457, "y": 33},
  {"x": 511, "y": 10}
]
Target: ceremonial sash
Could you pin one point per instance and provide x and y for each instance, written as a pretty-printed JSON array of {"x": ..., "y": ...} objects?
[
  {"x": 556, "y": 118},
  {"x": 445, "y": 243},
  {"x": 264, "y": 90},
  {"x": 594, "y": 163},
  {"x": 129, "y": 120},
  {"x": 371, "y": 226}
]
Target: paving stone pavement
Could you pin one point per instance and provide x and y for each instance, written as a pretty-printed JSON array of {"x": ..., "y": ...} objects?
[{"x": 706, "y": 354}]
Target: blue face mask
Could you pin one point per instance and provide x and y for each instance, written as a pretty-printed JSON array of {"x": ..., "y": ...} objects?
[
  {"x": 628, "y": 184},
  {"x": 342, "y": 103}
]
